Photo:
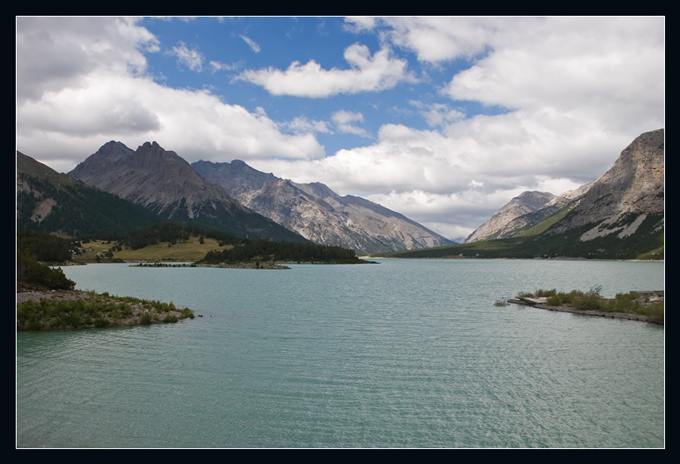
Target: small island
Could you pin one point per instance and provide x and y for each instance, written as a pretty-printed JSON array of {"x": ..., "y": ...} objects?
[{"x": 644, "y": 306}]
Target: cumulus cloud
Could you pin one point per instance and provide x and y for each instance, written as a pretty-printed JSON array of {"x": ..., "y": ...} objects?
[
  {"x": 57, "y": 54},
  {"x": 436, "y": 38},
  {"x": 190, "y": 122},
  {"x": 366, "y": 74},
  {"x": 83, "y": 98}
]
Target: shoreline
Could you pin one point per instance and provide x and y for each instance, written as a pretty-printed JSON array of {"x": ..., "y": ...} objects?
[
  {"x": 130, "y": 311},
  {"x": 567, "y": 309}
]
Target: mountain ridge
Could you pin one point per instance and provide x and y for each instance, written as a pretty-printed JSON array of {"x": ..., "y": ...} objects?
[
  {"x": 165, "y": 183},
  {"x": 318, "y": 213}
]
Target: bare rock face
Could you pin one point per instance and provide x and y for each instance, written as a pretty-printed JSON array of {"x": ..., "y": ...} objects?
[
  {"x": 166, "y": 184},
  {"x": 618, "y": 202},
  {"x": 621, "y": 198},
  {"x": 317, "y": 213},
  {"x": 507, "y": 220}
]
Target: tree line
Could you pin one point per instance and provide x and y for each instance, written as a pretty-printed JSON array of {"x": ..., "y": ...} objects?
[
  {"x": 173, "y": 232},
  {"x": 268, "y": 250},
  {"x": 33, "y": 249}
]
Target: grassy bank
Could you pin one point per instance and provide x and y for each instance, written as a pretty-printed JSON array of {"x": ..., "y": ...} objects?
[{"x": 72, "y": 309}]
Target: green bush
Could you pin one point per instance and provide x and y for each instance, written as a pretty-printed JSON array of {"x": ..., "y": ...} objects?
[
  {"x": 589, "y": 301},
  {"x": 546, "y": 293}
]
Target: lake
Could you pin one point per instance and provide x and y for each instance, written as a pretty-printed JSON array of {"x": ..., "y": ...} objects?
[{"x": 399, "y": 354}]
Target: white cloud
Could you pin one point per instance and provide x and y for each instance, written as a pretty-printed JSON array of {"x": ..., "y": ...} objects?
[
  {"x": 359, "y": 24},
  {"x": 189, "y": 122},
  {"x": 441, "y": 38},
  {"x": 438, "y": 114},
  {"x": 82, "y": 98},
  {"x": 366, "y": 74},
  {"x": 53, "y": 54},
  {"x": 219, "y": 66},
  {"x": 251, "y": 43},
  {"x": 345, "y": 123},
  {"x": 189, "y": 57},
  {"x": 600, "y": 67},
  {"x": 303, "y": 125}
]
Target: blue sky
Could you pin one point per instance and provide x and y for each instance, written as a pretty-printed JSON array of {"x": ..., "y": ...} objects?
[{"x": 443, "y": 119}]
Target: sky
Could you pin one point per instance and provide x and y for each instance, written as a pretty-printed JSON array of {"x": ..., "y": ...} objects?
[{"x": 441, "y": 118}]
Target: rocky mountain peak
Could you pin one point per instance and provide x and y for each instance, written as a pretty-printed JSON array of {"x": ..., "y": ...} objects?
[{"x": 166, "y": 184}]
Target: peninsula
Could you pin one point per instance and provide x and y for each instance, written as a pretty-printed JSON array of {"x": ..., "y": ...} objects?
[
  {"x": 644, "y": 306},
  {"x": 44, "y": 309}
]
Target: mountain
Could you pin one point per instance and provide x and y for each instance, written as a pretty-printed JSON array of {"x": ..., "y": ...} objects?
[
  {"x": 504, "y": 222},
  {"x": 165, "y": 184},
  {"x": 620, "y": 200},
  {"x": 620, "y": 215},
  {"x": 48, "y": 201},
  {"x": 523, "y": 212},
  {"x": 319, "y": 214}
]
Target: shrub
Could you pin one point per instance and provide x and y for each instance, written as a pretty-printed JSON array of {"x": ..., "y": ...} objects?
[
  {"x": 654, "y": 312},
  {"x": 590, "y": 300},
  {"x": 546, "y": 293}
]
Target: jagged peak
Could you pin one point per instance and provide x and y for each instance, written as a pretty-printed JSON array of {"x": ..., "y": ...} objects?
[{"x": 114, "y": 147}]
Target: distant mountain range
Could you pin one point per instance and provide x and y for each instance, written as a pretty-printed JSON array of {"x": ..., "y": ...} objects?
[
  {"x": 116, "y": 190},
  {"x": 319, "y": 214},
  {"x": 620, "y": 215},
  {"x": 230, "y": 197}
]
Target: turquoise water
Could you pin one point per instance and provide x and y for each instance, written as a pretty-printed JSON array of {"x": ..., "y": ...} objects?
[{"x": 405, "y": 353}]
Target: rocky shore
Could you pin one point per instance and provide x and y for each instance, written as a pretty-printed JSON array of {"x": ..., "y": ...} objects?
[
  {"x": 539, "y": 302},
  {"x": 611, "y": 315}
]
